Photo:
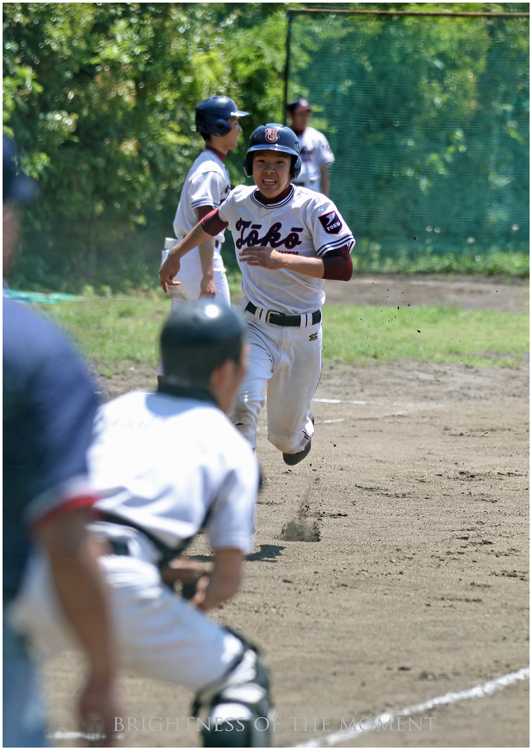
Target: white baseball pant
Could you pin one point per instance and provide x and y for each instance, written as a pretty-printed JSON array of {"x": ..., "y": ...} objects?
[
  {"x": 287, "y": 361},
  {"x": 190, "y": 276},
  {"x": 158, "y": 635}
]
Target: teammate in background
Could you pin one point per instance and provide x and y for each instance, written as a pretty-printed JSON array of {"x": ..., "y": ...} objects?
[
  {"x": 288, "y": 239},
  {"x": 316, "y": 154},
  {"x": 49, "y": 407},
  {"x": 206, "y": 187},
  {"x": 166, "y": 465}
]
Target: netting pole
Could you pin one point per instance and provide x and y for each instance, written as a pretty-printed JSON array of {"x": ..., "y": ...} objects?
[{"x": 287, "y": 62}]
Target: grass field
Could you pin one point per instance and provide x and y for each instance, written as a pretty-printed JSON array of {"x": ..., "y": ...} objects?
[{"x": 113, "y": 330}]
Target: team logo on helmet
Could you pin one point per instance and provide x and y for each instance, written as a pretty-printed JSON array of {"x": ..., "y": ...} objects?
[
  {"x": 271, "y": 135},
  {"x": 331, "y": 222}
]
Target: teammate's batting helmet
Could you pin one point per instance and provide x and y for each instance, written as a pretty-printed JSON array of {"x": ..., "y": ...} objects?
[
  {"x": 273, "y": 137},
  {"x": 198, "y": 337},
  {"x": 212, "y": 115}
]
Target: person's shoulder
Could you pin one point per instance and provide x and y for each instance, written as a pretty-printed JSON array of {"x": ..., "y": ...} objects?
[
  {"x": 311, "y": 132},
  {"x": 126, "y": 400},
  {"x": 306, "y": 196},
  {"x": 123, "y": 407},
  {"x": 317, "y": 136},
  {"x": 30, "y": 333},
  {"x": 206, "y": 162},
  {"x": 242, "y": 192},
  {"x": 224, "y": 435}
]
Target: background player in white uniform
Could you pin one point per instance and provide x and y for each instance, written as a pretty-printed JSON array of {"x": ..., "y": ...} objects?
[
  {"x": 206, "y": 187},
  {"x": 164, "y": 465},
  {"x": 314, "y": 149},
  {"x": 288, "y": 239}
]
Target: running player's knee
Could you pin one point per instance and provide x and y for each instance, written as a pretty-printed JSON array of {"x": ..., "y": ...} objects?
[
  {"x": 239, "y": 708},
  {"x": 286, "y": 444}
]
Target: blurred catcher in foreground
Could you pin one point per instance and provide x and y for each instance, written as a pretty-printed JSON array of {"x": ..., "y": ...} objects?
[{"x": 166, "y": 465}]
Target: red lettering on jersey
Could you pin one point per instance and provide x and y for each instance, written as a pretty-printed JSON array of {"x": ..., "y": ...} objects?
[{"x": 272, "y": 238}]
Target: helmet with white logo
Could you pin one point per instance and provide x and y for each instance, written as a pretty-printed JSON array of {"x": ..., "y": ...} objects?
[
  {"x": 273, "y": 137},
  {"x": 212, "y": 115}
]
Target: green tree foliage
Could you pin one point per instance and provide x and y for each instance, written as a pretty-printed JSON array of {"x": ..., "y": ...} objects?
[
  {"x": 100, "y": 98},
  {"x": 428, "y": 120}
]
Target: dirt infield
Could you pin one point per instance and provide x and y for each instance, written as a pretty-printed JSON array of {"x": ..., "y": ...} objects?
[{"x": 391, "y": 567}]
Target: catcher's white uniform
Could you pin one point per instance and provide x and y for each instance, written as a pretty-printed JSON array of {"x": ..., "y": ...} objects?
[
  {"x": 285, "y": 357},
  {"x": 315, "y": 151},
  {"x": 167, "y": 465}
]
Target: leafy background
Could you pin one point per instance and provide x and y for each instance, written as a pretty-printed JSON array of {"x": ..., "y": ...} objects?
[{"x": 100, "y": 98}]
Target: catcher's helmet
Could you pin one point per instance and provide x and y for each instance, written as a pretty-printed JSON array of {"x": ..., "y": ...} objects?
[
  {"x": 273, "y": 137},
  {"x": 197, "y": 337},
  {"x": 212, "y": 115}
]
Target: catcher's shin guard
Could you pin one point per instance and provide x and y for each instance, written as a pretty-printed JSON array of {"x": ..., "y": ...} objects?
[{"x": 239, "y": 709}]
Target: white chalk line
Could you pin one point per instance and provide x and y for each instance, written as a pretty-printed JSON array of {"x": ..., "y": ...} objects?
[
  {"x": 339, "y": 401},
  {"x": 479, "y": 691},
  {"x": 80, "y": 736}
]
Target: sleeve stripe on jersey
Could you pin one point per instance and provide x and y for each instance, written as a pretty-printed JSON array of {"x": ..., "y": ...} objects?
[
  {"x": 205, "y": 202},
  {"x": 345, "y": 239},
  {"x": 75, "y": 503},
  {"x": 53, "y": 498}
]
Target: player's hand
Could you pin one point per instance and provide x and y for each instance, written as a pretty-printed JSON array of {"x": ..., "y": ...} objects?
[
  {"x": 97, "y": 709},
  {"x": 266, "y": 257},
  {"x": 207, "y": 287},
  {"x": 168, "y": 270},
  {"x": 184, "y": 570},
  {"x": 198, "y": 600}
]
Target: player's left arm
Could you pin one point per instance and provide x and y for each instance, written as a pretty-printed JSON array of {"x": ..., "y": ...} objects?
[
  {"x": 326, "y": 158},
  {"x": 325, "y": 180},
  {"x": 267, "y": 257},
  {"x": 336, "y": 264}
]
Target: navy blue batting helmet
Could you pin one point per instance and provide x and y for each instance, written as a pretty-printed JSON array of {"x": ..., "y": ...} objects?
[
  {"x": 273, "y": 137},
  {"x": 212, "y": 115},
  {"x": 197, "y": 337}
]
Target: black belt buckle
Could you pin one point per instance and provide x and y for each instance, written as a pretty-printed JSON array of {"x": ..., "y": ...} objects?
[{"x": 269, "y": 320}]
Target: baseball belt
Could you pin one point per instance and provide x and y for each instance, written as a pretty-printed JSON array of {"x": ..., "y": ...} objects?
[{"x": 281, "y": 319}]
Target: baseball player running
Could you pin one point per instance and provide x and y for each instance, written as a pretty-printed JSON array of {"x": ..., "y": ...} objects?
[
  {"x": 288, "y": 239},
  {"x": 206, "y": 187},
  {"x": 316, "y": 154},
  {"x": 165, "y": 465}
]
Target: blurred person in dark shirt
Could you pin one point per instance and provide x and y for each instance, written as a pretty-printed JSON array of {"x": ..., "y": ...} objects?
[{"x": 49, "y": 404}]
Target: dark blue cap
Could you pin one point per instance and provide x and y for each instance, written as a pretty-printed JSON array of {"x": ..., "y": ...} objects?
[
  {"x": 197, "y": 337},
  {"x": 17, "y": 187}
]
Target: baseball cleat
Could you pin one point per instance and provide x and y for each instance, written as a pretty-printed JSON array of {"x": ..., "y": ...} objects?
[{"x": 294, "y": 458}]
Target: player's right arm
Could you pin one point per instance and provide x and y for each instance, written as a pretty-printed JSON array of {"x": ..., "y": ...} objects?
[
  {"x": 171, "y": 265},
  {"x": 206, "y": 255},
  {"x": 224, "y": 580},
  {"x": 72, "y": 554}
]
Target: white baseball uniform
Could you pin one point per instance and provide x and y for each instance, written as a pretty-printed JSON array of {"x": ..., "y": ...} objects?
[
  {"x": 167, "y": 465},
  {"x": 207, "y": 184},
  {"x": 315, "y": 151},
  {"x": 286, "y": 358}
]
